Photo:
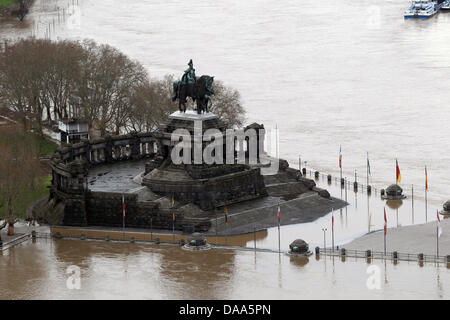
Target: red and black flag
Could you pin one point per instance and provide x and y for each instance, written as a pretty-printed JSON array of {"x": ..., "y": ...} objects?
[
  {"x": 397, "y": 169},
  {"x": 225, "y": 209}
]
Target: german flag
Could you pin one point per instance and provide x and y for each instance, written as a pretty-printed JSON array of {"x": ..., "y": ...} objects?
[
  {"x": 426, "y": 179},
  {"x": 173, "y": 203},
  {"x": 225, "y": 209},
  {"x": 399, "y": 176},
  {"x": 279, "y": 216}
]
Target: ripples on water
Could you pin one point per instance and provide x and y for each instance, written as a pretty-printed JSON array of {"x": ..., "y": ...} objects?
[
  {"x": 129, "y": 271},
  {"x": 328, "y": 73}
]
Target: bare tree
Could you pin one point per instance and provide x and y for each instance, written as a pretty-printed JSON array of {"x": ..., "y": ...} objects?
[
  {"x": 227, "y": 104},
  {"x": 59, "y": 77},
  {"x": 22, "y": 10},
  {"x": 107, "y": 83},
  {"x": 20, "y": 170},
  {"x": 41, "y": 79},
  {"x": 152, "y": 104}
]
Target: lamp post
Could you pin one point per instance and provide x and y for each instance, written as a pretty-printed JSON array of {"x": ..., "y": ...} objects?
[{"x": 324, "y": 238}]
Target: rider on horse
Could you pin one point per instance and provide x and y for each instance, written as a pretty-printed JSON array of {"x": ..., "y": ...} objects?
[
  {"x": 200, "y": 90},
  {"x": 189, "y": 79}
]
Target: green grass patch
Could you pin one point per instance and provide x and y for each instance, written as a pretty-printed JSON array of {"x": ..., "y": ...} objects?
[
  {"x": 6, "y": 3},
  {"x": 46, "y": 147},
  {"x": 25, "y": 199}
]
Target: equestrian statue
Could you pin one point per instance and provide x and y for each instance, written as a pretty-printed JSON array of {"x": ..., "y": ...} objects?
[{"x": 199, "y": 89}]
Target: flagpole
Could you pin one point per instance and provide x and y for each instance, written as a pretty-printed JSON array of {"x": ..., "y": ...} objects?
[
  {"x": 173, "y": 220},
  {"x": 215, "y": 210},
  {"x": 385, "y": 230},
  {"x": 438, "y": 233},
  {"x": 276, "y": 137},
  {"x": 123, "y": 217},
  {"x": 340, "y": 166},
  {"x": 426, "y": 198},
  {"x": 437, "y": 241},
  {"x": 396, "y": 172},
  {"x": 412, "y": 202},
  {"x": 367, "y": 186},
  {"x": 279, "y": 242},
  {"x": 226, "y": 225},
  {"x": 332, "y": 229},
  {"x": 345, "y": 185}
]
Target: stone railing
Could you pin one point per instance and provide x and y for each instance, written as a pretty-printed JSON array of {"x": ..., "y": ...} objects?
[
  {"x": 112, "y": 148},
  {"x": 70, "y": 163}
]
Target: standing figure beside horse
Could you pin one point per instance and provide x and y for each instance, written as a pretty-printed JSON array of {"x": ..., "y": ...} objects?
[{"x": 199, "y": 89}]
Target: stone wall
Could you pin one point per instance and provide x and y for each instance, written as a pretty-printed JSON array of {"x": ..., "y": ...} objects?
[
  {"x": 109, "y": 149},
  {"x": 105, "y": 209},
  {"x": 70, "y": 165}
]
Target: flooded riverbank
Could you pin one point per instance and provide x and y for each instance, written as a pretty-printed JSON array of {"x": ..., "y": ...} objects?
[
  {"x": 41, "y": 269},
  {"x": 351, "y": 81}
]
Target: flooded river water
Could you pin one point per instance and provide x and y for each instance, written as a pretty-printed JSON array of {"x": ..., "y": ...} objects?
[
  {"x": 39, "y": 270},
  {"x": 345, "y": 73}
]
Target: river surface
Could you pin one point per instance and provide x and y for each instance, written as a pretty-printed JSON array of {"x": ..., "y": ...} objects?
[
  {"x": 42, "y": 270},
  {"x": 327, "y": 74},
  {"x": 350, "y": 73}
]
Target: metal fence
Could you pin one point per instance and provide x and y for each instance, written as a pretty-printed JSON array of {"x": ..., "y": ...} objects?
[
  {"x": 395, "y": 256},
  {"x": 347, "y": 183}
]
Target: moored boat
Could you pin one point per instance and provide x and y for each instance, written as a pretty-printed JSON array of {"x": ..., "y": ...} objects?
[
  {"x": 423, "y": 9},
  {"x": 446, "y": 5}
]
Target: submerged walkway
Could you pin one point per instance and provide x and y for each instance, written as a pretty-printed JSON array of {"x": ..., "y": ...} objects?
[
  {"x": 22, "y": 232},
  {"x": 420, "y": 238}
]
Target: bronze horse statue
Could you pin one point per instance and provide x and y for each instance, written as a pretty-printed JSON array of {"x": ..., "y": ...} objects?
[{"x": 200, "y": 92}]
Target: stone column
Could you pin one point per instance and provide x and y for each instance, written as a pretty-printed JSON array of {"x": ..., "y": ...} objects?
[
  {"x": 134, "y": 145},
  {"x": 108, "y": 149}
]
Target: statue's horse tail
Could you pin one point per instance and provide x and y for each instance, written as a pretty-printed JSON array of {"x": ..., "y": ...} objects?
[{"x": 176, "y": 88}]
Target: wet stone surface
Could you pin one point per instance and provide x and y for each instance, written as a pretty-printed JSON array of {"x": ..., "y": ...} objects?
[{"x": 116, "y": 178}]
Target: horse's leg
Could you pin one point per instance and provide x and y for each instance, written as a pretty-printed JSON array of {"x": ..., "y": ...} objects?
[{"x": 208, "y": 104}]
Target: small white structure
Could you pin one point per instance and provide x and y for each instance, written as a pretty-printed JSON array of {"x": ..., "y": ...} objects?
[{"x": 72, "y": 130}]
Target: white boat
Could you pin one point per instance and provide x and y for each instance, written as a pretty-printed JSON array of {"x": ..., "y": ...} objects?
[
  {"x": 422, "y": 9},
  {"x": 446, "y": 5}
]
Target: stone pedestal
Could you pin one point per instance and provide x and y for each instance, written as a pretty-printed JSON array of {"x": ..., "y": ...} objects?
[
  {"x": 393, "y": 192},
  {"x": 207, "y": 185}
]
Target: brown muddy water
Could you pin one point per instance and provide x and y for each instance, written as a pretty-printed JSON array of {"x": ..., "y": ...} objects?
[
  {"x": 111, "y": 270},
  {"x": 42, "y": 269},
  {"x": 328, "y": 73},
  {"x": 351, "y": 81}
]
